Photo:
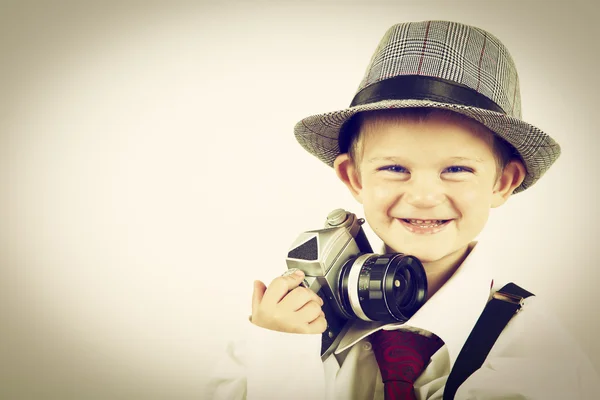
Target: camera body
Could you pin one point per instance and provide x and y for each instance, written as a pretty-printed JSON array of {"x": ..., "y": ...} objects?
[{"x": 354, "y": 283}]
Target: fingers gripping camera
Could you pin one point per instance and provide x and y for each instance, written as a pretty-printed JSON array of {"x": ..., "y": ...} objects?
[{"x": 354, "y": 283}]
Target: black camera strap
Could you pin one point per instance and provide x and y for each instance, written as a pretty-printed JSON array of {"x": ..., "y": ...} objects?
[{"x": 505, "y": 303}]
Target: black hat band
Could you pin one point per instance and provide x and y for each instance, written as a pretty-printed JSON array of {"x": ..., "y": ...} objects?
[{"x": 418, "y": 87}]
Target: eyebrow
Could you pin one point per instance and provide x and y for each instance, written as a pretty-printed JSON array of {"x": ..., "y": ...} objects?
[
  {"x": 392, "y": 159},
  {"x": 398, "y": 160},
  {"x": 476, "y": 159}
]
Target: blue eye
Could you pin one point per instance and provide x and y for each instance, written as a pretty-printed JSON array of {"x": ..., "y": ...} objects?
[
  {"x": 394, "y": 168},
  {"x": 456, "y": 169}
]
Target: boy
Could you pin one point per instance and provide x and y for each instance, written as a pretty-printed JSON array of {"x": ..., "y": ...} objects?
[{"x": 432, "y": 140}]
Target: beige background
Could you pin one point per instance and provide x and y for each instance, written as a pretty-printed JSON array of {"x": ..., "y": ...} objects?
[{"x": 148, "y": 174}]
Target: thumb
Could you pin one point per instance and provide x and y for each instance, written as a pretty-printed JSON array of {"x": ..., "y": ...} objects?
[
  {"x": 257, "y": 295},
  {"x": 281, "y": 285}
]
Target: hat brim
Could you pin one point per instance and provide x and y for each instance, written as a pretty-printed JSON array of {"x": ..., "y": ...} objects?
[{"x": 318, "y": 134}]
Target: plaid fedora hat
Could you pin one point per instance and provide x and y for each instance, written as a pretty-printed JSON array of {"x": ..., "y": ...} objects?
[{"x": 446, "y": 65}]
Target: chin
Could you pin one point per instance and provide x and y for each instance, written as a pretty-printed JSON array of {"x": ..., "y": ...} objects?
[
  {"x": 428, "y": 257},
  {"x": 424, "y": 254}
]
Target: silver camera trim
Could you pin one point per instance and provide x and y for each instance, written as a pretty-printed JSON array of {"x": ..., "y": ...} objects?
[{"x": 353, "y": 278}]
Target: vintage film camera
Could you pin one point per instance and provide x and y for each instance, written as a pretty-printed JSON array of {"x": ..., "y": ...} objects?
[{"x": 340, "y": 266}]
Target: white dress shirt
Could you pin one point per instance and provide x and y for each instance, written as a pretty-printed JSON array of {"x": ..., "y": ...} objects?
[{"x": 534, "y": 357}]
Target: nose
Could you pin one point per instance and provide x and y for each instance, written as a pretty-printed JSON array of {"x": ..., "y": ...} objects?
[{"x": 424, "y": 192}]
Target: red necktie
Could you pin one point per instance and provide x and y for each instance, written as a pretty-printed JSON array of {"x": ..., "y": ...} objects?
[{"x": 402, "y": 356}]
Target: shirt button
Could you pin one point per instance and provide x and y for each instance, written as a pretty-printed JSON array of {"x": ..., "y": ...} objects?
[{"x": 367, "y": 346}]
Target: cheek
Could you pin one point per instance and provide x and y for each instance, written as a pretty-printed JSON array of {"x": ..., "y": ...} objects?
[
  {"x": 378, "y": 196},
  {"x": 474, "y": 196},
  {"x": 471, "y": 197},
  {"x": 474, "y": 204}
]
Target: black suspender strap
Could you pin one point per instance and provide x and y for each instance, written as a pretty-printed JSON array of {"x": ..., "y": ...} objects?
[{"x": 499, "y": 310}]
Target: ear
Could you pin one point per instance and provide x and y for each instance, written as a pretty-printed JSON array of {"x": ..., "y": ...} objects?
[
  {"x": 349, "y": 174},
  {"x": 512, "y": 176}
]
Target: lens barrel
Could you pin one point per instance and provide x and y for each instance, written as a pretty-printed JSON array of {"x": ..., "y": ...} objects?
[{"x": 387, "y": 288}]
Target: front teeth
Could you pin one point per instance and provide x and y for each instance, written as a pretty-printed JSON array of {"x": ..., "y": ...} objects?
[{"x": 426, "y": 223}]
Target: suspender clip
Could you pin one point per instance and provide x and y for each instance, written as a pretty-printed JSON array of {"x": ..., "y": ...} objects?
[{"x": 510, "y": 298}]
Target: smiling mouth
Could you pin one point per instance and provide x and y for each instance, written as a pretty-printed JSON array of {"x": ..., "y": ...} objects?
[
  {"x": 426, "y": 223},
  {"x": 425, "y": 226}
]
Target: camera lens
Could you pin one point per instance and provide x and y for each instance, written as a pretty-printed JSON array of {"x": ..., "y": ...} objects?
[{"x": 387, "y": 288}]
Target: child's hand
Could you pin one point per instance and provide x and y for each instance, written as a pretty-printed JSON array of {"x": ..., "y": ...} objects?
[{"x": 287, "y": 307}]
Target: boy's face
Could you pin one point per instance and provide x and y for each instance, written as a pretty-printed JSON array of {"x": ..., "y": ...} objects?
[{"x": 426, "y": 187}]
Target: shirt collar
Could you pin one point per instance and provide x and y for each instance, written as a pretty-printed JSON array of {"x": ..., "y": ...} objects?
[{"x": 450, "y": 313}]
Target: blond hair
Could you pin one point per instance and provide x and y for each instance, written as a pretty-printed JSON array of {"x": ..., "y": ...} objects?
[{"x": 352, "y": 135}]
